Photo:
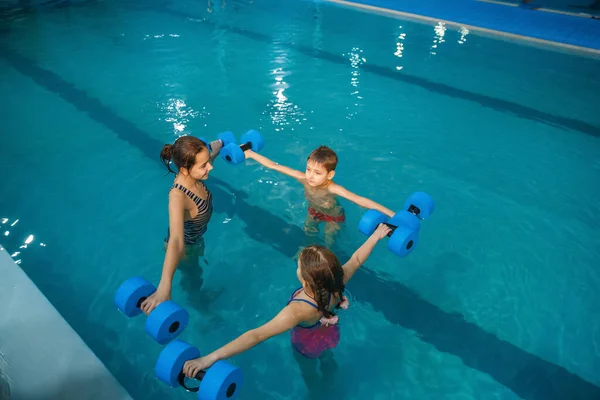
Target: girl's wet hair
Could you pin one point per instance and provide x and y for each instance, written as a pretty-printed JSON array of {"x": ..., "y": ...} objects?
[
  {"x": 183, "y": 152},
  {"x": 322, "y": 271}
]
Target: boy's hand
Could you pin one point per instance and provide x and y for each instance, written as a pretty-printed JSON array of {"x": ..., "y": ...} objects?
[
  {"x": 216, "y": 146},
  {"x": 381, "y": 231},
  {"x": 249, "y": 153}
]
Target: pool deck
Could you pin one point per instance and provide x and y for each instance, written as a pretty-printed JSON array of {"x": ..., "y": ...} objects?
[
  {"x": 570, "y": 30},
  {"x": 41, "y": 356}
]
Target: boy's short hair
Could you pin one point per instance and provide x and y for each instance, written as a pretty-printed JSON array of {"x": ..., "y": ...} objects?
[{"x": 325, "y": 156}]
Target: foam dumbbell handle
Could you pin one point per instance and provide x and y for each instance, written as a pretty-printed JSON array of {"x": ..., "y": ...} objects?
[
  {"x": 246, "y": 146},
  {"x": 252, "y": 140},
  {"x": 405, "y": 218},
  {"x": 250, "y": 144}
]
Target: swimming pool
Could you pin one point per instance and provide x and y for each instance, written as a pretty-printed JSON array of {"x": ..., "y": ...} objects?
[{"x": 500, "y": 299}]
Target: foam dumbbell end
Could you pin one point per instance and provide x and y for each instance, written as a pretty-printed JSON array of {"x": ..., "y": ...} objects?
[
  {"x": 166, "y": 322},
  {"x": 370, "y": 220},
  {"x": 233, "y": 154},
  {"x": 403, "y": 241},
  {"x": 169, "y": 364},
  {"x": 131, "y": 294},
  {"x": 225, "y": 137},
  {"x": 220, "y": 382},
  {"x": 420, "y": 204}
]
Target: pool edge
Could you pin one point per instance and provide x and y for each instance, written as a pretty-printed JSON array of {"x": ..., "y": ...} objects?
[
  {"x": 489, "y": 31},
  {"x": 59, "y": 360}
]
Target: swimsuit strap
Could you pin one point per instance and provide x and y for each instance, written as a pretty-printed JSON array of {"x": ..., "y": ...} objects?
[
  {"x": 306, "y": 301},
  {"x": 195, "y": 198},
  {"x": 197, "y": 226}
]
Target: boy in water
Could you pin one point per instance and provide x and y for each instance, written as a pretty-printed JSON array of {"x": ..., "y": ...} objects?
[{"x": 321, "y": 192}]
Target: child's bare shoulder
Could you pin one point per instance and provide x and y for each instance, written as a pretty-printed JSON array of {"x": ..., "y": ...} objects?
[{"x": 334, "y": 188}]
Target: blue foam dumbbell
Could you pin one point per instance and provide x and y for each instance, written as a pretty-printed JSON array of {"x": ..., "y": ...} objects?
[
  {"x": 420, "y": 204},
  {"x": 219, "y": 382},
  {"x": 164, "y": 323},
  {"x": 225, "y": 137},
  {"x": 405, "y": 224},
  {"x": 251, "y": 140}
]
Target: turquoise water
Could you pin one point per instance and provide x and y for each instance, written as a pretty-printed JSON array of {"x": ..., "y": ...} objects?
[{"x": 500, "y": 300}]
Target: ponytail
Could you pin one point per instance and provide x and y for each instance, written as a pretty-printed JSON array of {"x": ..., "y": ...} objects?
[
  {"x": 322, "y": 299},
  {"x": 322, "y": 270},
  {"x": 166, "y": 156},
  {"x": 182, "y": 153}
]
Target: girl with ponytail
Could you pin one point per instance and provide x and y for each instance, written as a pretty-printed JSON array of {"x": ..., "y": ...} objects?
[
  {"x": 190, "y": 210},
  {"x": 309, "y": 312}
]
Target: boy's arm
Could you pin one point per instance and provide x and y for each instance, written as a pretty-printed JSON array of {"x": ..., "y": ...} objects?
[
  {"x": 274, "y": 166},
  {"x": 215, "y": 147},
  {"x": 361, "y": 201}
]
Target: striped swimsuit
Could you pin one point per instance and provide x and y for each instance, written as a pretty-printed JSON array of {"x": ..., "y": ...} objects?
[{"x": 196, "y": 227}]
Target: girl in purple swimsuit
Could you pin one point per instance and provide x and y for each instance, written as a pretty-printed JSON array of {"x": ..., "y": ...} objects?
[{"x": 309, "y": 312}]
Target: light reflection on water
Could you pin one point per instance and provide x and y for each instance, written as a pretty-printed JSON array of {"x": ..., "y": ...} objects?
[
  {"x": 282, "y": 111},
  {"x": 15, "y": 241}
]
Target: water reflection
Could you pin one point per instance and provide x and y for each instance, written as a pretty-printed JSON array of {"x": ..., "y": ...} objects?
[
  {"x": 282, "y": 111},
  {"x": 438, "y": 38},
  {"x": 400, "y": 47},
  {"x": 356, "y": 60},
  {"x": 179, "y": 114},
  {"x": 463, "y": 35},
  {"x": 14, "y": 242},
  {"x": 161, "y": 35}
]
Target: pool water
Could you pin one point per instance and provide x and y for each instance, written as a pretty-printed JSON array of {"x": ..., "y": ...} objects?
[{"x": 500, "y": 299}]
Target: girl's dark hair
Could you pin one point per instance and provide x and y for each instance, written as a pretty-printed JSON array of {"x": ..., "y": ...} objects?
[
  {"x": 322, "y": 270},
  {"x": 183, "y": 152}
]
